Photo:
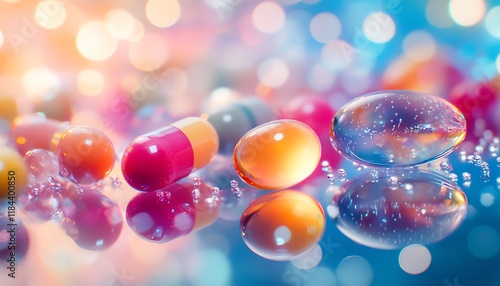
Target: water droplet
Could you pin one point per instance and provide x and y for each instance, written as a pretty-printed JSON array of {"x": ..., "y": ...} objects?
[
  {"x": 342, "y": 175},
  {"x": 331, "y": 178},
  {"x": 453, "y": 177},
  {"x": 42, "y": 165},
  {"x": 417, "y": 138},
  {"x": 445, "y": 167},
  {"x": 326, "y": 167},
  {"x": 466, "y": 177},
  {"x": 393, "y": 182},
  {"x": 215, "y": 193},
  {"x": 372, "y": 214},
  {"x": 463, "y": 156},
  {"x": 235, "y": 189}
]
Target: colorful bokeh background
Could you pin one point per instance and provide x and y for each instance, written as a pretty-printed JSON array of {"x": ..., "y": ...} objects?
[{"x": 127, "y": 67}]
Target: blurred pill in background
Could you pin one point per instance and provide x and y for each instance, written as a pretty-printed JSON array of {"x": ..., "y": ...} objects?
[{"x": 236, "y": 119}]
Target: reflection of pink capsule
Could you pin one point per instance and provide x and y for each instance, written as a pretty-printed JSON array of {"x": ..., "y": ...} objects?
[
  {"x": 156, "y": 159},
  {"x": 91, "y": 219},
  {"x": 171, "y": 212},
  {"x": 85, "y": 154}
]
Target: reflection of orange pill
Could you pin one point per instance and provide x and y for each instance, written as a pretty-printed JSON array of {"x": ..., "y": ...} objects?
[
  {"x": 281, "y": 225},
  {"x": 277, "y": 155},
  {"x": 13, "y": 173},
  {"x": 86, "y": 155}
]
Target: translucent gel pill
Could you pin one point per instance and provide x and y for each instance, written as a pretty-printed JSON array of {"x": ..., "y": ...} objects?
[
  {"x": 397, "y": 128},
  {"x": 232, "y": 122},
  {"x": 277, "y": 155},
  {"x": 396, "y": 210},
  {"x": 85, "y": 154},
  {"x": 156, "y": 159},
  {"x": 281, "y": 225}
]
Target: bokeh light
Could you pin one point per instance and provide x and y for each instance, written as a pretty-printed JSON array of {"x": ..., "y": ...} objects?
[
  {"x": 137, "y": 33},
  {"x": 163, "y": 13},
  {"x": 309, "y": 259},
  {"x": 483, "y": 241},
  {"x": 467, "y": 12},
  {"x": 94, "y": 41},
  {"x": 268, "y": 17},
  {"x": 498, "y": 63},
  {"x": 120, "y": 23},
  {"x": 320, "y": 77},
  {"x": 1, "y": 38},
  {"x": 50, "y": 14},
  {"x": 41, "y": 83},
  {"x": 325, "y": 27},
  {"x": 354, "y": 271},
  {"x": 419, "y": 46},
  {"x": 414, "y": 259},
  {"x": 492, "y": 22},
  {"x": 437, "y": 13},
  {"x": 379, "y": 27},
  {"x": 273, "y": 72},
  {"x": 149, "y": 53},
  {"x": 90, "y": 82}
]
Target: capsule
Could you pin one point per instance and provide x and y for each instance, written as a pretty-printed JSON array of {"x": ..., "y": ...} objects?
[
  {"x": 233, "y": 121},
  {"x": 156, "y": 159},
  {"x": 85, "y": 154}
]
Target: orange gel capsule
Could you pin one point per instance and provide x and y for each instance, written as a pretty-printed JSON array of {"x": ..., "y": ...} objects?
[{"x": 277, "y": 155}]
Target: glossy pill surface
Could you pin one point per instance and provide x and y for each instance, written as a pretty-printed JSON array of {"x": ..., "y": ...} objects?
[
  {"x": 283, "y": 224},
  {"x": 86, "y": 155},
  {"x": 277, "y": 155},
  {"x": 397, "y": 128},
  {"x": 156, "y": 159}
]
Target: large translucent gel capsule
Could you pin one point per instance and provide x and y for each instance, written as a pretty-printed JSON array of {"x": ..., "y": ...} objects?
[
  {"x": 397, "y": 128},
  {"x": 396, "y": 210},
  {"x": 277, "y": 155},
  {"x": 283, "y": 224}
]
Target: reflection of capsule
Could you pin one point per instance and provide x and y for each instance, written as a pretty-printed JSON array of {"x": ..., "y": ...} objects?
[
  {"x": 86, "y": 155},
  {"x": 237, "y": 119},
  {"x": 91, "y": 219},
  {"x": 171, "y": 212},
  {"x": 421, "y": 208},
  {"x": 156, "y": 159}
]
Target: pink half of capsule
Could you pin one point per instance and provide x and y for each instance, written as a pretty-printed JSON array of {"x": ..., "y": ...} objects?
[{"x": 156, "y": 159}]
